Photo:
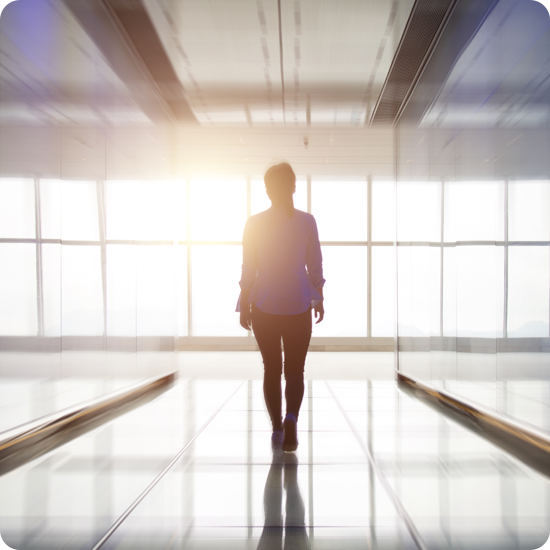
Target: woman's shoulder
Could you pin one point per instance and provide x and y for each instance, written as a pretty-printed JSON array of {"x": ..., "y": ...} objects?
[
  {"x": 304, "y": 217},
  {"x": 259, "y": 215},
  {"x": 255, "y": 218}
]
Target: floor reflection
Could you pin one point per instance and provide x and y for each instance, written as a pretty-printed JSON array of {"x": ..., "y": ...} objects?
[
  {"x": 232, "y": 489},
  {"x": 283, "y": 475}
]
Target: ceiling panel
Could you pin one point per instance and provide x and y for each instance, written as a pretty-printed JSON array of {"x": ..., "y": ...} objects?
[
  {"x": 335, "y": 57},
  {"x": 58, "y": 61}
]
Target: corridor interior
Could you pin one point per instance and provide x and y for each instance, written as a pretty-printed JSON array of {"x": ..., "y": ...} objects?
[
  {"x": 376, "y": 467},
  {"x": 134, "y": 139}
]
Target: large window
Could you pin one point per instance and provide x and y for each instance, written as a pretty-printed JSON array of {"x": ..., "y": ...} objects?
[
  {"x": 18, "y": 294},
  {"x": 17, "y": 215},
  {"x": 474, "y": 259},
  {"x": 153, "y": 258}
]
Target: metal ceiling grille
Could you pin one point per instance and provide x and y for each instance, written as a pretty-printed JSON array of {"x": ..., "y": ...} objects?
[
  {"x": 463, "y": 25},
  {"x": 420, "y": 33},
  {"x": 435, "y": 36}
]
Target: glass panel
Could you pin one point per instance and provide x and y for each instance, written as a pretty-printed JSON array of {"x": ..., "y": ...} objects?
[
  {"x": 449, "y": 291},
  {"x": 121, "y": 290},
  {"x": 260, "y": 201},
  {"x": 528, "y": 203},
  {"x": 51, "y": 288},
  {"x": 156, "y": 290},
  {"x": 419, "y": 283},
  {"x": 383, "y": 291},
  {"x": 383, "y": 211},
  {"x": 345, "y": 270},
  {"x": 480, "y": 291},
  {"x": 18, "y": 313},
  {"x": 181, "y": 275},
  {"x": 216, "y": 272},
  {"x": 69, "y": 210},
  {"x": 528, "y": 292},
  {"x": 81, "y": 290},
  {"x": 340, "y": 209},
  {"x": 474, "y": 211},
  {"x": 218, "y": 210},
  {"x": 180, "y": 210},
  {"x": 79, "y": 217},
  {"x": 146, "y": 210},
  {"x": 300, "y": 197},
  {"x": 17, "y": 220},
  {"x": 419, "y": 211},
  {"x": 50, "y": 209}
]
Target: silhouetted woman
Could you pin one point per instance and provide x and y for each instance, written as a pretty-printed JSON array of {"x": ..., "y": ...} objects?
[{"x": 282, "y": 280}]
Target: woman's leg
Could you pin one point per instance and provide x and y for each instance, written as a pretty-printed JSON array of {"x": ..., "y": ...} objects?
[
  {"x": 267, "y": 330},
  {"x": 296, "y": 332}
]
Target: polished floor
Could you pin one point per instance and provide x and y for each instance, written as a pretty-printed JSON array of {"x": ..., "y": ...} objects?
[
  {"x": 375, "y": 468},
  {"x": 33, "y": 385}
]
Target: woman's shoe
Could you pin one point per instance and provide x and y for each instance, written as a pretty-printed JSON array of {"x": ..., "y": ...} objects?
[
  {"x": 277, "y": 437},
  {"x": 290, "y": 442}
]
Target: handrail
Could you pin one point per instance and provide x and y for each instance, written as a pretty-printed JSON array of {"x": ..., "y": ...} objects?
[
  {"x": 528, "y": 443},
  {"x": 29, "y": 440}
]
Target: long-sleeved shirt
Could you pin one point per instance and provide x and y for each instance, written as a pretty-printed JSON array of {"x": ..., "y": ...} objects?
[{"x": 282, "y": 262}]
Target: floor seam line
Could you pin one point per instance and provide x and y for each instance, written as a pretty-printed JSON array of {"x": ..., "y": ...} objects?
[
  {"x": 409, "y": 523},
  {"x": 155, "y": 481}
]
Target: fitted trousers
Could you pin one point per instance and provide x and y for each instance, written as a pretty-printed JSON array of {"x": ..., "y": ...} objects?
[{"x": 295, "y": 332}]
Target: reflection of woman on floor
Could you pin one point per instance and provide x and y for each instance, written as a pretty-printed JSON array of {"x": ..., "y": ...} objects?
[
  {"x": 294, "y": 521},
  {"x": 282, "y": 279}
]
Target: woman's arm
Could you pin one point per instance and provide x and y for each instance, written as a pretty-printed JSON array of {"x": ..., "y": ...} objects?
[
  {"x": 314, "y": 264},
  {"x": 248, "y": 276}
]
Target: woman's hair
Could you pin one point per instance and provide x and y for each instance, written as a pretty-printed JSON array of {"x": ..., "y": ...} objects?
[{"x": 279, "y": 182}]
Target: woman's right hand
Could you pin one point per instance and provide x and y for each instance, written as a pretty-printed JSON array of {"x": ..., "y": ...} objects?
[{"x": 246, "y": 319}]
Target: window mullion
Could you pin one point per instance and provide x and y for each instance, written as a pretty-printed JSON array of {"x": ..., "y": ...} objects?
[
  {"x": 39, "y": 276},
  {"x": 369, "y": 257},
  {"x": 309, "y": 194},
  {"x": 100, "y": 186},
  {"x": 505, "y": 313},
  {"x": 441, "y": 259},
  {"x": 248, "y": 214},
  {"x": 189, "y": 256}
]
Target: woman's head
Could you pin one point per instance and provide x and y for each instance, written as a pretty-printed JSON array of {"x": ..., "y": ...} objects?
[{"x": 280, "y": 182}]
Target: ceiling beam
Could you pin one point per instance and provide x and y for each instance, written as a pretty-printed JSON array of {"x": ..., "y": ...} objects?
[{"x": 126, "y": 36}]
